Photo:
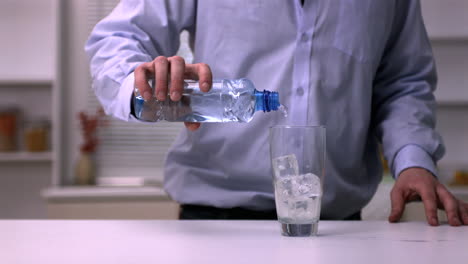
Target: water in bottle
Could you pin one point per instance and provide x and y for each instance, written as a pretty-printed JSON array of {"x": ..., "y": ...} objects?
[{"x": 227, "y": 101}]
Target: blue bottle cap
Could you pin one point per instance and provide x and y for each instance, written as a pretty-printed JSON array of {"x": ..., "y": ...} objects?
[
  {"x": 267, "y": 101},
  {"x": 273, "y": 101}
]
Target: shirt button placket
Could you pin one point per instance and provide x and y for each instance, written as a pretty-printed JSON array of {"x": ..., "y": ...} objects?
[{"x": 302, "y": 62}]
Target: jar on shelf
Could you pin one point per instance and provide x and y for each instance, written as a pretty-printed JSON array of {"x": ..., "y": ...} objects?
[
  {"x": 36, "y": 135},
  {"x": 8, "y": 128}
]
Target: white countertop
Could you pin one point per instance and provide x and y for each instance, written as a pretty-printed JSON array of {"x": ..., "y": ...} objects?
[{"x": 224, "y": 242}]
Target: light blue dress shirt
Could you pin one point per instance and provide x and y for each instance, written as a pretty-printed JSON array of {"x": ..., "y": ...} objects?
[{"x": 362, "y": 68}]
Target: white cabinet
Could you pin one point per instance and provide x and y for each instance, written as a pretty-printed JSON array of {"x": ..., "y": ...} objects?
[
  {"x": 446, "y": 19},
  {"x": 110, "y": 203},
  {"x": 447, "y": 25},
  {"x": 28, "y": 45},
  {"x": 452, "y": 65},
  {"x": 28, "y": 81}
]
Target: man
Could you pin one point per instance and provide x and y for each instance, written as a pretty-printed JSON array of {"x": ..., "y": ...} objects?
[{"x": 362, "y": 68}]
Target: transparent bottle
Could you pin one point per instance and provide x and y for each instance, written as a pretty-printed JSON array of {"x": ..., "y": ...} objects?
[{"x": 227, "y": 101}]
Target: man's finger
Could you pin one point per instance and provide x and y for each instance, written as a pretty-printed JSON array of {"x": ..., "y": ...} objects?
[
  {"x": 192, "y": 126},
  {"x": 177, "y": 66},
  {"x": 205, "y": 77},
  {"x": 161, "y": 69},
  {"x": 429, "y": 200},
  {"x": 141, "y": 80},
  {"x": 201, "y": 72},
  {"x": 463, "y": 212},
  {"x": 191, "y": 72},
  {"x": 450, "y": 205},
  {"x": 398, "y": 205}
]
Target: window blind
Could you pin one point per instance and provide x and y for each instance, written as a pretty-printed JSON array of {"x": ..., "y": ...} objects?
[{"x": 130, "y": 150}]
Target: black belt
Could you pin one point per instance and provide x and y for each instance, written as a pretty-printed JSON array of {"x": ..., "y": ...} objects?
[{"x": 203, "y": 212}]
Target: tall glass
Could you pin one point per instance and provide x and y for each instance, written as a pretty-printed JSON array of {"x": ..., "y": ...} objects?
[{"x": 298, "y": 158}]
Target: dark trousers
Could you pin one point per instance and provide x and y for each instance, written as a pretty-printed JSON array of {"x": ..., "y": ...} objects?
[{"x": 200, "y": 212}]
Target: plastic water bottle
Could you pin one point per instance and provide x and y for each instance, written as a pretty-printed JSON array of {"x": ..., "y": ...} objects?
[{"x": 227, "y": 101}]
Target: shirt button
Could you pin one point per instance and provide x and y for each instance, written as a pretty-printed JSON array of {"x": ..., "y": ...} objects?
[
  {"x": 300, "y": 91},
  {"x": 304, "y": 37}
]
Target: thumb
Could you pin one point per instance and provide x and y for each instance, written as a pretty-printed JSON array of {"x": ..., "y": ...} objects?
[{"x": 398, "y": 205}]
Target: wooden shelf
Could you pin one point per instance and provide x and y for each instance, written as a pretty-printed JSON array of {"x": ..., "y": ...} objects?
[
  {"x": 25, "y": 82},
  {"x": 97, "y": 193},
  {"x": 25, "y": 156},
  {"x": 447, "y": 103},
  {"x": 448, "y": 39}
]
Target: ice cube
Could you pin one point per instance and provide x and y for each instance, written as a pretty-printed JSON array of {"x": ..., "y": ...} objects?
[
  {"x": 298, "y": 186},
  {"x": 304, "y": 189},
  {"x": 303, "y": 185},
  {"x": 285, "y": 166},
  {"x": 306, "y": 185},
  {"x": 284, "y": 187}
]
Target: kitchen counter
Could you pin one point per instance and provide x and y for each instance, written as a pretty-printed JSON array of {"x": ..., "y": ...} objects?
[{"x": 98, "y": 241}]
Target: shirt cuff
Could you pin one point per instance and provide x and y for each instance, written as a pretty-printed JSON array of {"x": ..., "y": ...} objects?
[
  {"x": 124, "y": 99},
  {"x": 411, "y": 156}
]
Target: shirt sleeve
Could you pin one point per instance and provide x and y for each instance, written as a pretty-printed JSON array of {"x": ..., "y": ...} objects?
[
  {"x": 403, "y": 103},
  {"x": 122, "y": 108},
  {"x": 412, "y": 156},
  {"x": 133, "y": 33}
]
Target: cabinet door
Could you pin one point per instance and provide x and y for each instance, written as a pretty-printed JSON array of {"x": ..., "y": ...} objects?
[
  {"x": 446, "y": 19},
  {"x": 113, "y": 210}
]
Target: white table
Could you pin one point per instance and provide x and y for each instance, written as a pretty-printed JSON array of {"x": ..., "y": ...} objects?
[{"x": 224, "y": 242}]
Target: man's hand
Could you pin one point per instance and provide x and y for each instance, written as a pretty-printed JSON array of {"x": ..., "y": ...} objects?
[
  {"x": 418, "y": 184},
  {"x": 162, "y": 70}
]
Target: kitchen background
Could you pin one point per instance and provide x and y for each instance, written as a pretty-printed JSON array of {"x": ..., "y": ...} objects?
[{"x": 51, "y": 166}]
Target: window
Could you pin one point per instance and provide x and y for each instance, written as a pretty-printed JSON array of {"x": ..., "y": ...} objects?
[{"x": 130, "y": 153}]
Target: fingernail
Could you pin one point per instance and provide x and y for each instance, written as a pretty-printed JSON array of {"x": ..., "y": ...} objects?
[
  {"x": 160, "y": 96},
  {"x": 147, "y": 96},
  {"x": 175, "y": 96},
  {"x": 434, "y": 221},
  {"x": 205, "y": 86},
  {"x": 456, "y": 221}
]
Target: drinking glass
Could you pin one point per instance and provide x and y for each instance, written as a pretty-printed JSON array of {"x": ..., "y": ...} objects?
[{"x": 297, "y": 156}]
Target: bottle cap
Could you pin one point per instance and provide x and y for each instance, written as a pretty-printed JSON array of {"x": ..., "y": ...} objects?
[
  {"x": 270, "y": 101},
  {"x": 273, "y": 101},
  {"x": 267, "y": 101}
]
